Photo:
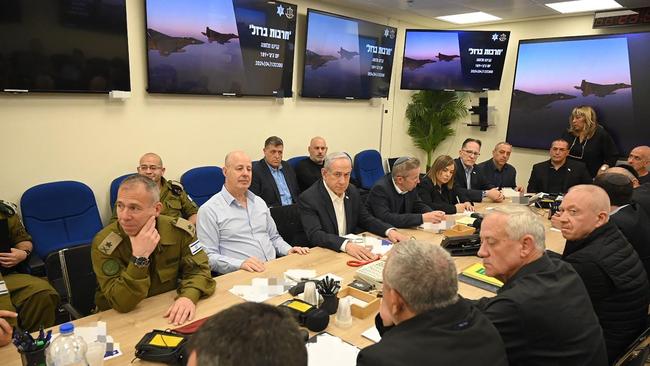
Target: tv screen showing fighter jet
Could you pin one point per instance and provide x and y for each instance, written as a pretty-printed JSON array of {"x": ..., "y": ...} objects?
[
  {"x": 608, "y": 72},
  {"x": 64, "y": 46},
  {"x": 221, "y": 47},
  {"x": 453, "y": 60},
  {"x": 346, "y": 58}
]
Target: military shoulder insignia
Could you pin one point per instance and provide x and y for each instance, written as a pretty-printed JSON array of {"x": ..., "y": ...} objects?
[
  {"x": 176, "y": 187},
  {"x": 181, "y": 223},
  {"x": 8, "y": 208},
  {"x": 108, "y": 245},
  {"x": 110, "y": 267}
]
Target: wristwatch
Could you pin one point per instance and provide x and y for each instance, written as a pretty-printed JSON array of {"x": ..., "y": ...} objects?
[{"x": 140, "y": 262}]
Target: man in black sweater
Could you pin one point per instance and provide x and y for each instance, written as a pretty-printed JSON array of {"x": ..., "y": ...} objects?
[
  {"x": 394, "y": 199},
  {"x": 308, "y": 171},
  {"x": 421, "y": 318},
  {"x": 608, "y": 265},
  {"x": 557, "y": 174},
  {"x": 543, "y": 311}
]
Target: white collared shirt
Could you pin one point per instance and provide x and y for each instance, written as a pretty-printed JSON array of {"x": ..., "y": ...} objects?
[{"x": 399, "y": 191}]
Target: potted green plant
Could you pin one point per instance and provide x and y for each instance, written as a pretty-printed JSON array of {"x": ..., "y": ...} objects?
[{"x": 430, "y": 116}]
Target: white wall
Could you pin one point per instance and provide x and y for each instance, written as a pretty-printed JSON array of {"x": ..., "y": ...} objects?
[{"x": 49, "y": 137}]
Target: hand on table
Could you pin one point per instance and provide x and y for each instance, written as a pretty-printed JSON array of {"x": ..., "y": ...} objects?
[
  {"x": 252, "y": 264},
  {"x": 395, "y": 236},
  {"x": 299, "y": 250},
  {"x": 360, "y": 252},
  {"x": 182, "y": 310},
  {"x": 433, "y": 217},
  {"x": 495, "y": 195}
]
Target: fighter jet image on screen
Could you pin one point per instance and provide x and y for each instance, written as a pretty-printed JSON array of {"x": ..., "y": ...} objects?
[
  {"x": 446, "y": 58},
  {"x": 315, "y": 60},
  {"x": 529, "y": 101},
  {"x": 166, "y": 45},
  {"x": 600, "y": 90},
  {"x": 221, "y": 38},
  {"x": 413, "y": 64},
  {"x": 345, "y": 54}
]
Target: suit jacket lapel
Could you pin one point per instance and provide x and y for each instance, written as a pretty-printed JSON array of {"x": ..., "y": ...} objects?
[
  {"x": 329, "y": 206},
  {"x": 347, "y": 203},
  {"x": 268, "y": 174}
]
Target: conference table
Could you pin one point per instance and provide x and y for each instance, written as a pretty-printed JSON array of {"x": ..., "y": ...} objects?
[{"x": 128, "y": 328}]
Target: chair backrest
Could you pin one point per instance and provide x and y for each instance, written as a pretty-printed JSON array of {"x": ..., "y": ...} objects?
[
  {"x": 115, "y": 184},
  {"x": 60, "y": 215},
  {"x": 389, "y": 164},
  {"x": 70, "y": 271},
  {"x": 295, "y": 160},
  {"x": 202, "y": 183},
  {"x": 368, "y": 168}
]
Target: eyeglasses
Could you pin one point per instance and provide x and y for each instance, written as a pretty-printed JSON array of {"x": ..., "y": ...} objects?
[
  {"x": 470, "y": 152},
  {"x": 153, "y": 168}
]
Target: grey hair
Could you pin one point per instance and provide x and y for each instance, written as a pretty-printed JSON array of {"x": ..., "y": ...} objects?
[
  {"x": 404, "y": 165},
  {"x": 329, "y": 159},
  {"x": 423, "y": 273},
  {"x": 522, "y": 221},
  {"x": 149, "y": 185}
]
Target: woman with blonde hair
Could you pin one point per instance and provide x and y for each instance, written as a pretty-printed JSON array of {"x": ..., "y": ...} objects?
[
  {"x": 588, "y": 141},
  {"x": 437, "y": 190}
]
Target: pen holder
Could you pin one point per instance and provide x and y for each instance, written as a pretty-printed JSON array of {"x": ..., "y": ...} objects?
[
  {"x": 330, "y": 303},
  {"x": 34, "y": 358}
]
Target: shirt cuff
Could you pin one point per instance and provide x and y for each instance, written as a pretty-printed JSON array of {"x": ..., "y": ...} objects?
[
  {"x": 344, "y": 245},
  {"x": 388, "y": 231},
  {"x": 191, "y": 293}
]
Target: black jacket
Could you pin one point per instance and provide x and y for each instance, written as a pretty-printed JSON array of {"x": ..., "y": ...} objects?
[
  {"x": 576, "y": 174},
  {"x": 264, "y": 185},
  {"x": 598, "y": 150},
  {"x": 453, "y": 336},
  {"x": 641, "y": 195},
  {"x": 616, "y": 283},
  {"x": 634, "y": 223},
  {"x": 477, "y": 181},
  {"x": 399, "y": 210},
  {"x": 545, "y": 317},
  {"x": 438, "y": 198},
  {"x": 307, "y": 173},
  {"x": 508, "y": 174},
  {"x": 319, "y": 219}
]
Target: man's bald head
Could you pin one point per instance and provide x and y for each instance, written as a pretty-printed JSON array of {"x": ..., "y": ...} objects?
[
  {"x": 583, "y": 209},
  {"x": 148, "y": 156},
  {"x": 233, "y": 156},
  {"x": 317, "y": 149},
  {"x": 151, "y": 166},
  {"x": 639, "y": 158},
  {"x": 238, "y": 171}
]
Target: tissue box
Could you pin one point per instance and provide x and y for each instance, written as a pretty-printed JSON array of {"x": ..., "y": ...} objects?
[
  {"x": 459, "y": 230},
  {"x": 357, "y": 311}
]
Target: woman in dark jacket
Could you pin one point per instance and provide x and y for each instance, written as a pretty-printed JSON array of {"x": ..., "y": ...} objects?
[
  {"x": 588, "y": 141},
  {"x": 441, "y": 195}
]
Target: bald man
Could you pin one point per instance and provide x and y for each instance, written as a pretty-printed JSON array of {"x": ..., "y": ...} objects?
[
  {"x": 608, "y": 265},
  {"x": 174, "y": 199},
  {"x": 639, "y": 159},
  {"x": 308, "y": 171}
]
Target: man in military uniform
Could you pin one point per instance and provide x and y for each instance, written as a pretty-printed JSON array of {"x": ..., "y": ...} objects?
[
  {"x": 145, "y": 253},
  {"x": 175, "y": 201},
  {"x": 32, "y": 298}
]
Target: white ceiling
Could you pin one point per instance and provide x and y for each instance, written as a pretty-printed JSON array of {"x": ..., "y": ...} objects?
[{"x": 427, "y": 10}]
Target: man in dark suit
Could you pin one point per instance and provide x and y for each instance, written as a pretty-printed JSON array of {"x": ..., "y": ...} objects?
[
  {"x": 308, "y": 170},
  {"x": 471, "y": 185},
  {"x": 641, "y": 192},
  {"x": 496, "y": 171},
  {"x": 394, "y": 199},
  {"x": 639, "y": 159},
  {"x": 331, "y": 208},
  {"x": 422, "y": 320},
  {"x": 557, "y": 174},
  {"x": 273, "y": 178},
  {"x": 631, "y": 219}
]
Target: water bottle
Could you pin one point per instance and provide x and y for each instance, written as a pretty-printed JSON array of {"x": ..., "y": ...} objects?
[{"x": 67, "y": 349}]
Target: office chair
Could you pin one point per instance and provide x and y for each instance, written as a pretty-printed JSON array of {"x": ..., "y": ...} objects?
[
  {"x": 295, "y": 160},
  {"x": 115, "y": 184},
  {"x": 287, "y": 221},
  {"x": 60, "y": 215},
  {"x": 202, "y": 183},
  {"x": 637, "y": 353},
  {"x": 70, "y": 271},
  {"x": 368, "y": 168}
]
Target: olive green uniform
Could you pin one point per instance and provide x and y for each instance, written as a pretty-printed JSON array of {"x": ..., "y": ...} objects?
[
  {"x": 178, "y": 262},
  {"x": 175, "y": 201},
  {"x": 32, "y": 298}
]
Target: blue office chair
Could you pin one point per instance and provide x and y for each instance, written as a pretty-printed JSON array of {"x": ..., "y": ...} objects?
[
  {"x": 295, "y": 160},
  {"x": 115, "y": 184},
  {"x": 368, "y": 168},
  {"x": 60, "y": 215},
  {"x": 202, "y": 183}
]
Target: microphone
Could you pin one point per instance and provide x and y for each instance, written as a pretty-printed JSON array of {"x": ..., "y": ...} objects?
[{"x": 307, "y": 315}]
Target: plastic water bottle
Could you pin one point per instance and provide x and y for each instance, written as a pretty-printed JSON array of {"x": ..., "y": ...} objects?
[{"x": 67, "y": 349}]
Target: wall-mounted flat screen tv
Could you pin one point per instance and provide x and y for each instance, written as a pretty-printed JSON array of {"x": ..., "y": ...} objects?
[
  {"x": 222, "y": 47},
  {"x": 608, "y": 72},
  {"x": 63, "y": 46},
  {"x": 346, "y": 58},
  {"x": 453, "y": 60}
]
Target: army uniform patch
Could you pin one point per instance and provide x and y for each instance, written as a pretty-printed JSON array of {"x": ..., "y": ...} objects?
[
  {"x": 108, "y": 245},
  {"x": 110, "y": 267},
  {"x": 195, "y": 247},
  {"x": 181, "y": 223}
]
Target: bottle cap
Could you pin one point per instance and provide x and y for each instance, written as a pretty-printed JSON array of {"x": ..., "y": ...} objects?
[{"x": 66, "y": 328}]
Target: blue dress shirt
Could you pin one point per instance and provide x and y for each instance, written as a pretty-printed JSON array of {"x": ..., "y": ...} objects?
[{"x": 281, "y": 182}]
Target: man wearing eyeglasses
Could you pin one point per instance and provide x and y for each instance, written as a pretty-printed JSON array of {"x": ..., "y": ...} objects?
[
  {"x": 471, "y": 185},
  {"x": 639, "y": 159},
  {"x": 174, "y": 199},
  {"x": 557, "y": 174}
]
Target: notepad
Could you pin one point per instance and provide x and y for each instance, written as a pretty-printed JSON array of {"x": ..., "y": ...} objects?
[
  {"x": 165, "y": 340},
  {"x": 475, "y": 276}
]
